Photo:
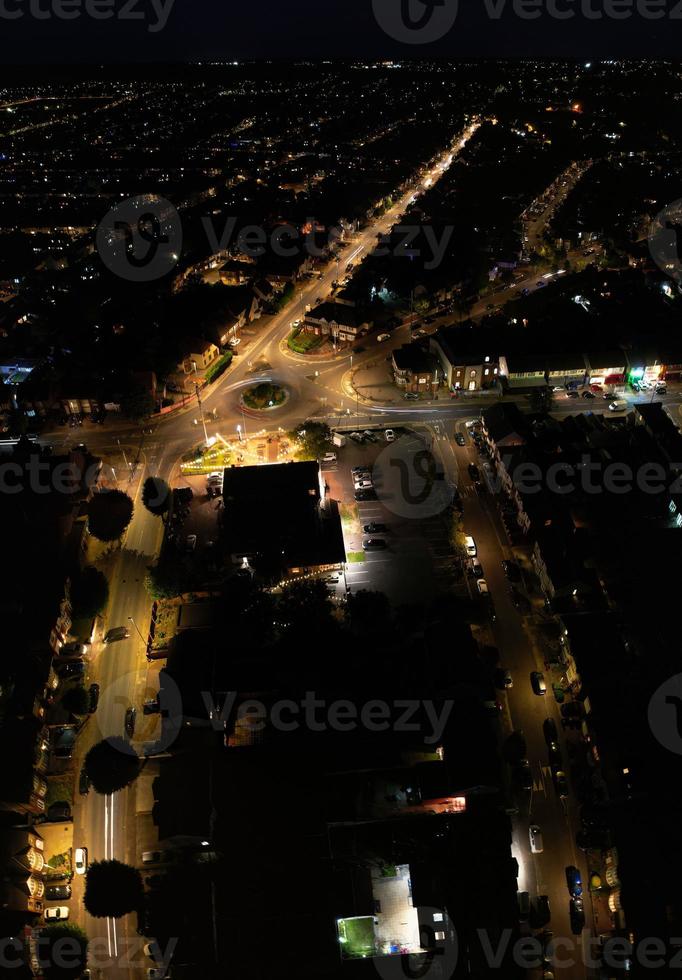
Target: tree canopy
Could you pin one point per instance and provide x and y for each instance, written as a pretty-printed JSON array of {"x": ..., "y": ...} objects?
[
  {"x": 111, "y": 765},
  {"x": 137, "y": 403},
  {"x": 156, "y": 496},
  {"x": 312, "y": 439},
  {"x": 109, "y": 514},
  {"x": 112, "y": 888},
  {"x": 63, "y": 951},
  {"x": 89, "y": 592}
]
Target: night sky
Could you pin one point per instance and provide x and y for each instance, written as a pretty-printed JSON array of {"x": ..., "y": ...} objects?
[{"x": 205, "y": 29}]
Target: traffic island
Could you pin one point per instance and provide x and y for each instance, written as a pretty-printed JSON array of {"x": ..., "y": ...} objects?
[{"x": 264, "y": 397}]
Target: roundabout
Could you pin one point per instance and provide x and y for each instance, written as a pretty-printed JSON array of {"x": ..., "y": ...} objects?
[{"x": 266, "y": 396}]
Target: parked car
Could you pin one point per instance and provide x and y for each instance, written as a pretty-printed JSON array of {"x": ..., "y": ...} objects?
[
  {"x": 574, "y": 881},
  {"x": 411, "y": 396},
  {"x": 131, "y": 714},
  {"x": 83, "y": 783},
  {"x": 362, "y": 484},
  {"x": 474, "y": 471},
  {"x": 369, "y": 435},
  {"x": 80, "y": 860},
  {"x": 58, "y": 811},
  {"x": 537, "y": 682},
  {"x": 151, "y": 857},
  {"x": 389, "y": 435},
  {"x": 374, "y": 528},
  {"x": 75, "y": 649},
  {"x": 560, "y": 783},
  {"x": 151, "y": 707},
  {"x": 362, "y": 469},
  {"x": 535, "y": 838},
  {"x": 588, "y": 394},
  {"x": 550, "y": 731},
  {"x": 72, "y": 668},
  {"x": 383, "y": 336},
  {"x": 475, "y": 568},
  {"x": 57, "y": 913},
  {"x": 572, "y": 394},
  {"x": 93, "y": 694},
  {"x": 503, "y": 678},
  {"x": 373, "y": 544},
  {"x": 576, "y": 912},
  {"x": 117, "y": 633},
  {"x": 470, "y": 546},
  {"x": 459, "y": 439},
  {"x": 540, "y": 913},
  {"x": 356, "y": 437},
  {"x": 365, "y": 495},
  {"x": 511, "y": 570},
  {"x": 522, "y": 774},
  {"x": 55, "y": 892},
  {"x": 554, "y": 754}
]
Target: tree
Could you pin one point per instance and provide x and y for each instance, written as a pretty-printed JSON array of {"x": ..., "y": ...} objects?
[
  {"x": 156, "y": 496},
  {"x": 76, "y": 700},
  {"x": 541, "y": 399},
  {"x": 166, "y": 580},
  {"x": 137, "y": 403},
  {"x": 313, "y": 440},
  {"x": 111, "y": 765},
  {"x": 369, "y": 611},
  {"x": 285, "y": 297},
  {"x": 112, "y": 888},
  {"x": 63, "y": 951},
  {"x": 89, "y": 592},
  {"x": 109, "y": 514}
]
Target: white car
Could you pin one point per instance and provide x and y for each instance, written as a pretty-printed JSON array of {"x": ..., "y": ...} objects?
[
  {"x": 482, "y": 586},
  {"x": 56, "y": 913},
  {"x": 389, "y": 435},
  {"x": 80, "y": 860},
  {"x": 383, "y": 336},
  {"x": 363, "y": 484}
]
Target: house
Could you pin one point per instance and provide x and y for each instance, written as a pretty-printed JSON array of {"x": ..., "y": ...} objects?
[
  {"x": 672, "y": 363},
  {"x": 241, "y": 308},
  {"x": 462, "y": 369},
  {"x": 606, "y": 367},
  {"x": 254, "y": 531},
  {"x": 644, "y": 365},
  {"x": 523, "y": 371},
  {"x": 416, "y": 368},
  {"x": 264, "y": 291},
  {"x": 234, "y": 273},
  {"x": 22, "y": 886},
  {"x": 505, "y": 426},
  {"x": 340, "y": 321},
  {"x": 200, "y": 355}
]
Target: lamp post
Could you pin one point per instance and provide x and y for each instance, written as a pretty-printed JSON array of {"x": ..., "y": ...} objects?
[
  {"x": 201, "y": 412},
  {"x": 130, "y": 618}
]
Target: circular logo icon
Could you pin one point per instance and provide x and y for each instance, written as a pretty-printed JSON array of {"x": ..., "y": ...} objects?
[
  {"x": 121, "y": 716},
  {"x": 665, "y": 240},
  {"x": 408, "y": 479},
  {"x": 415, "y": 21},
  {"x": 140, "y": 239},
  {"x": 438, "y": 950},
  {"x": 665, "y": 714}
]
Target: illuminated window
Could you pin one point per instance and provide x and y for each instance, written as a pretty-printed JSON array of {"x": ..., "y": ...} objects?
[
  {"x": 487, "y": 371},
  {"x": 437, "y": 916},
  {"x": 439, "y": 935},
  {"x": 672, "y": 507},
  {"x": 678, "y": 520}
]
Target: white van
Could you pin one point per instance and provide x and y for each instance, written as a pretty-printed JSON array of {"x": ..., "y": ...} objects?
[
  {"x": 470, "y": 546},
  {"x": 535, "y": 837}
]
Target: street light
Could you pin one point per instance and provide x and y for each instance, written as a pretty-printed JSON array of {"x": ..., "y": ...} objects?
[{"x": 136, "y": 628}]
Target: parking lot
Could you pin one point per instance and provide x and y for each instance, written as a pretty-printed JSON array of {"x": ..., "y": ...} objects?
[{"x": 416, "y": 563}]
